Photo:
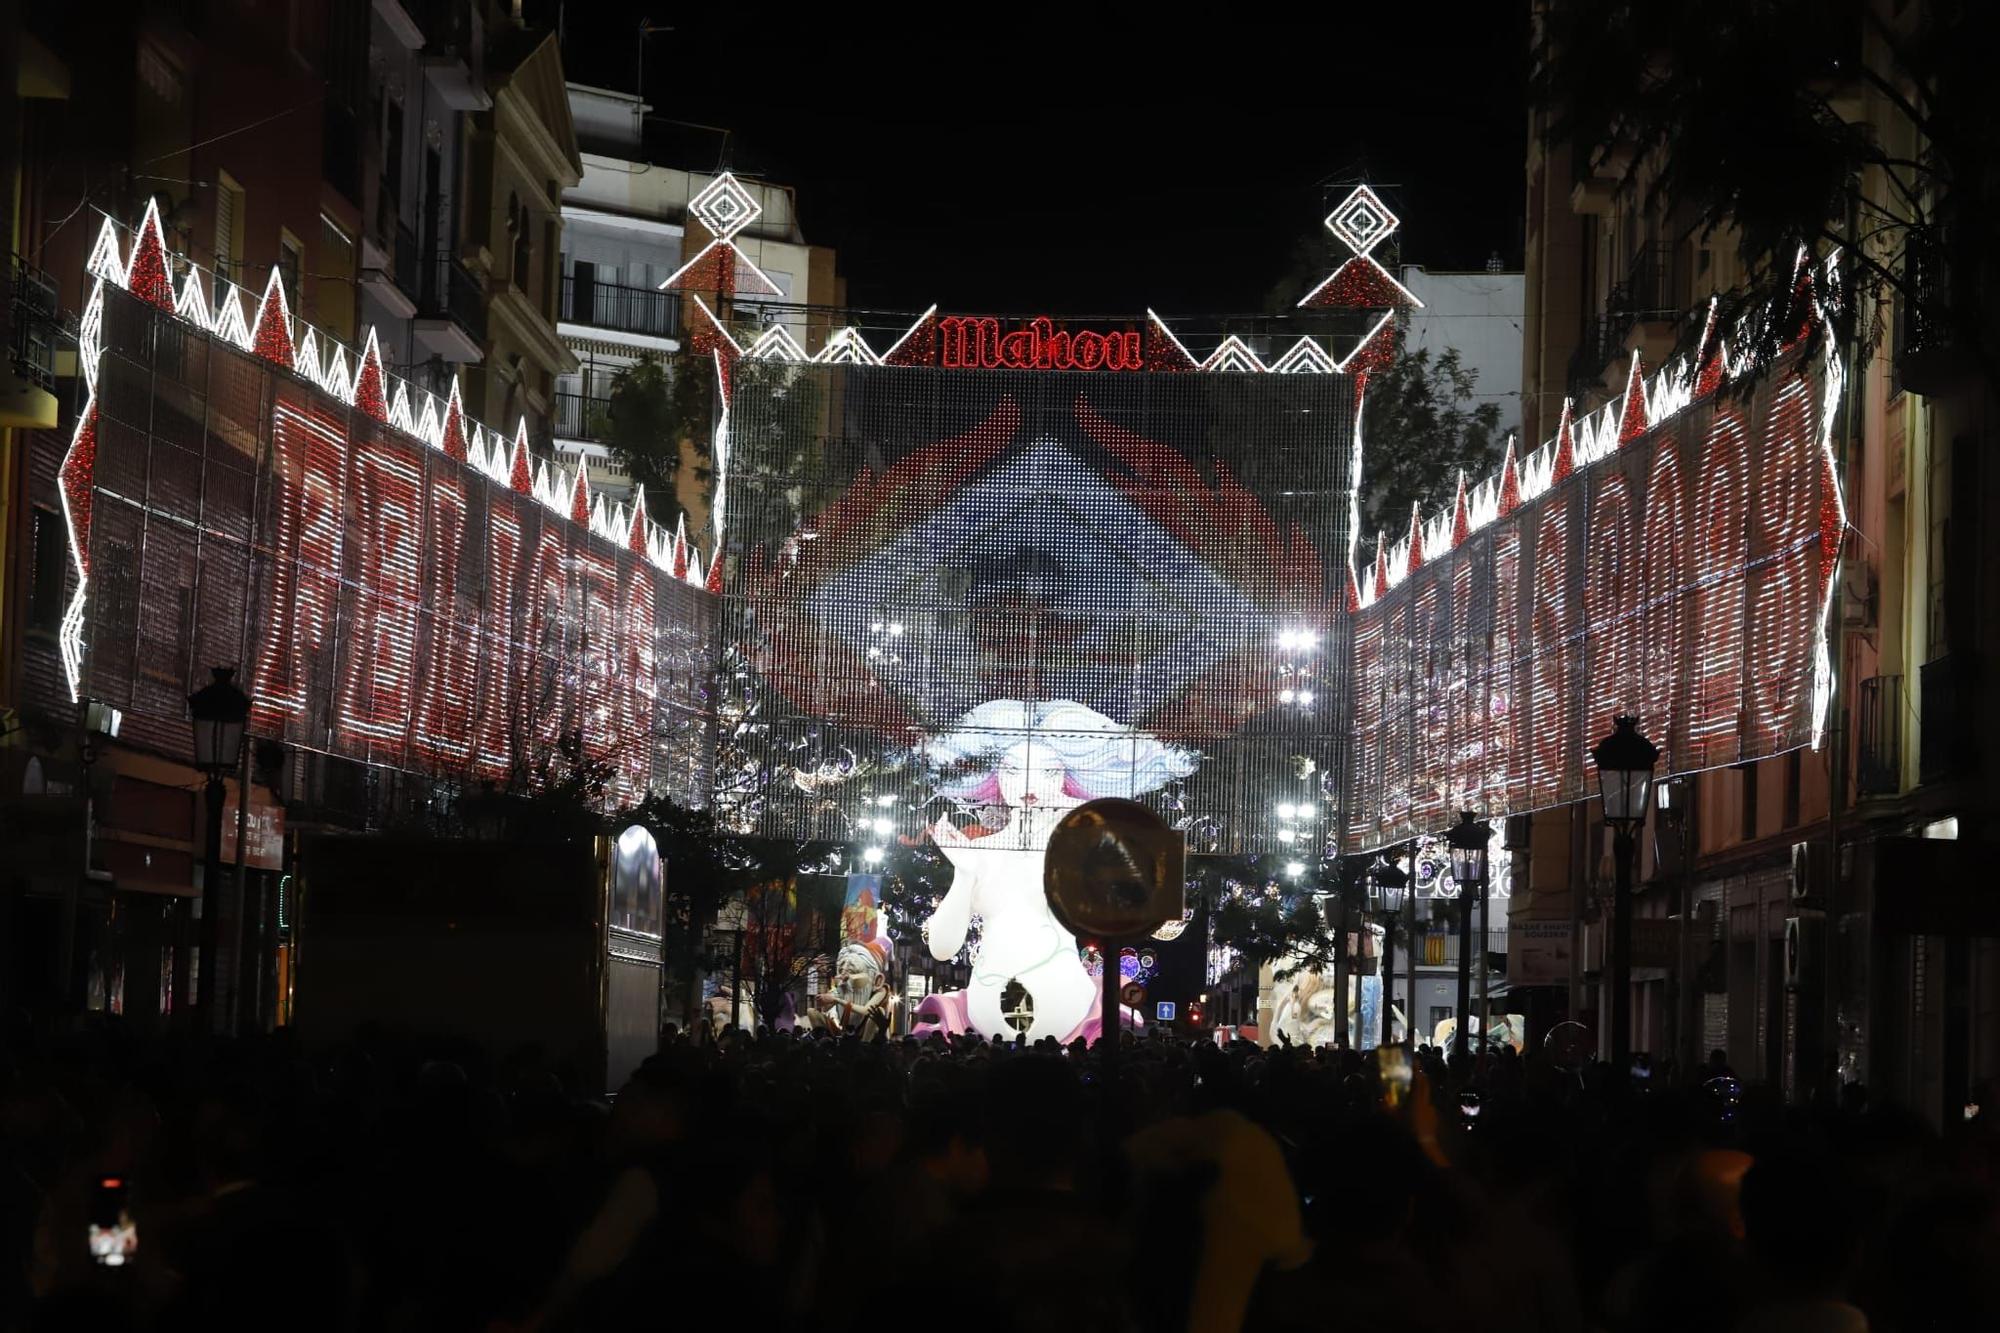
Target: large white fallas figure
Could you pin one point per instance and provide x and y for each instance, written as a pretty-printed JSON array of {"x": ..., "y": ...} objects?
[{"x": 1030, "y": 764}]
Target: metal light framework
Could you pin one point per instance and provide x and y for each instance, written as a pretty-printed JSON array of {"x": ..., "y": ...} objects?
[
  {"x": 1625, "y": 762},
  {"x": 1468, "y": 841}
]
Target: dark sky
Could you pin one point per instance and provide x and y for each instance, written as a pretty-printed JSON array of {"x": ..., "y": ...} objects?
[{"x": 1089, "y": 159}]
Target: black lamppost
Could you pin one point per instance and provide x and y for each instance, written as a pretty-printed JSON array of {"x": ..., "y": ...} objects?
[
  {"x": 1468, "y": 843},
  {"x": 1388, "y": 881},
  {"x": 220, "y": 711},
  {"x": 1625, "y": 762}
]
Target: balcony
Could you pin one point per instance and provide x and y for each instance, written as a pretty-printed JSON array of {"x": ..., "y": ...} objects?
[
  {"x": 1931, "y": 356},
  {"x": 611, "y": 305},
  {"x": 453, "y": 322},
  {"x": 581, "y": 417},
  {"x": 1878, "y": 769},
  {"x": 395, "y": 279},
  {"x": 1948, "y": 715}
]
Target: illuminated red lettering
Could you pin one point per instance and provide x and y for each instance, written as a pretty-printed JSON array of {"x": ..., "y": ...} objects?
[
  {"x": 978, "y": 344},
  {"x": 1721, "y": 549},
  {"x": 1664, "y": 603},
  {"x": 1553, "y": 732},
  {"x": 546, "y": 687},
  {"x": 310, "y": 454},
  {"x": 597, "y": 588},
  {"x": 378, "y": 666},
  {"x": 1787, "y": 530},
  {"x": 1506, "y": 673},
  {"x": 445, "y": 712},
  {"x": 637, "y": 683},
  {"x": 497, "y": 748},
  {"x": 1610, "y": 604}
]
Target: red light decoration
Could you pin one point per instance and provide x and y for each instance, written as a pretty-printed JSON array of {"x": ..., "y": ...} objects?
[
  {"x": 452, "y": 437},
  {"x": 1416, "y": 557},
  {"x": 1632, "y": 421},
  {"x": 272, "y": 337},
  {"x": 1461, "y": 517},
  {"x": 966, "y": 344},
  {"x": 148, "y": 278},
  {"x": 369, "y": 394},
  {"x": 1565, "y": 462},
  {"x": 579, "y": 494},
  {"x": 519, "y": 477},
  {"x": 1510, "y": 482}
]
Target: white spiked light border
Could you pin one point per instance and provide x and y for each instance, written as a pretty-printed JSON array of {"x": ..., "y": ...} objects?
[{"x": 320, "y": 360}]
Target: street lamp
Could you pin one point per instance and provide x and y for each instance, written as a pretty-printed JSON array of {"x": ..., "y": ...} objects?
[
  {"x": 1468, "y": 843},
  {"x": 1389, "y": 882},
  {"x": 219, "y": 711},
  {"x": 1625, "y": 762}
]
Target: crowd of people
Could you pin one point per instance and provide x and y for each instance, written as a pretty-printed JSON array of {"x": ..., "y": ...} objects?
[{"x": 802, "y": 1180}]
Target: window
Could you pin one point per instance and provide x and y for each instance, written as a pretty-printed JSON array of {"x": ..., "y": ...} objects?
[
  {"x": 228, "y": 233},
  {"x": 523, "y": 245},
  {"x": 51, "y": 565}
]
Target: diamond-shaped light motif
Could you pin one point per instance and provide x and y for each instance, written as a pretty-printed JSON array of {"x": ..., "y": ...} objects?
[
  {"x": 1362, "y": 220},
  {"x": 725, "y": 207}
]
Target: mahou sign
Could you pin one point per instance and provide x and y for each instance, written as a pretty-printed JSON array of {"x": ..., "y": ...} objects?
[{"x": 976, "y": 343}]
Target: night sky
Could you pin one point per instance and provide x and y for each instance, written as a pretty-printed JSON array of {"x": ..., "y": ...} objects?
[{"x": 1089, "y": 163}]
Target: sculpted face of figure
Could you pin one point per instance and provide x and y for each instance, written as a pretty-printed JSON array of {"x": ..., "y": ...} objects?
[
  {"x": 854, "y": 974},
  {"x": 1032, "y": 777}
]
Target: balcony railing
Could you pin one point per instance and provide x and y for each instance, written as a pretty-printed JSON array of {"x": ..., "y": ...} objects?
[
  {"x": 1878, "y": 767},
  {"x": 581, "y": 417},
  {"x": 453, "y": 292},
  {"x": 611, "y": 305}
]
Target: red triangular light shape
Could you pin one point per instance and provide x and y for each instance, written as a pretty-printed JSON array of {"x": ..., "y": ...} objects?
[
  {"x": 148, "y": 278},
  {"x": 452, "y": 437},
  {"x": 1565, "y": 448},
  {"x": 918, "y": 347},
  {"x": 635, "y": 535},
  {"x": 370, "y": 394},
  {"x": 1353, "y": 592},
  {"x": 1416, "y": 560},
  {"x": 680, "y": 565},
  {"x": 715, "y": 568},
  {"x": 1461, "y": 516},
  {"x": 272, "y": 338},
  {"x": 519, "y": 477},
  {"x": 1381, "y": 567},
  {"x": 1510, "y": 482},
  {"x": 579, "y": 494},
  {"x": 1632, "y": 421}
]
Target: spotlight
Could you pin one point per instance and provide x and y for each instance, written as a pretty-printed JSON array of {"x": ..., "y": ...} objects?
[
  {"x": 873, "y": 856},
  {"x": 1294, "y": 869}
]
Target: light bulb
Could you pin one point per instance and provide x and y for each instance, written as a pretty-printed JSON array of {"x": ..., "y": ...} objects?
[
  {"x": 1306, "y": 812},
  {"x": 1285, "y": 696},
  {"x": 885, "y": 799},
  {"x": 1286, "y": 835},
  {"x": 1287, "y": 810},
  {"x": 873, "y": 856},
  {"x": 896, "y": 627},
  {"x": 882, "y": 826},
  {"x": 1294, "y": 869}
]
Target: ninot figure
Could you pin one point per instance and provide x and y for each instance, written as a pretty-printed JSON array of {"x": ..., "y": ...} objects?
[{"x": 1021, "y": 767}]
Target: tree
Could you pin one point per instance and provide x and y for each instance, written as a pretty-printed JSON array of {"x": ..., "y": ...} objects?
[
  {"x": 1420, "y": 428},
  {"x": 654, "y": 407},
  {"x": 1735, "y": 116}
]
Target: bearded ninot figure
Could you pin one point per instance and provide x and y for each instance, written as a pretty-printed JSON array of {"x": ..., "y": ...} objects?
[
  {"x": 860, "y": 1002},
  {"x": 1029, "y": 765}
]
